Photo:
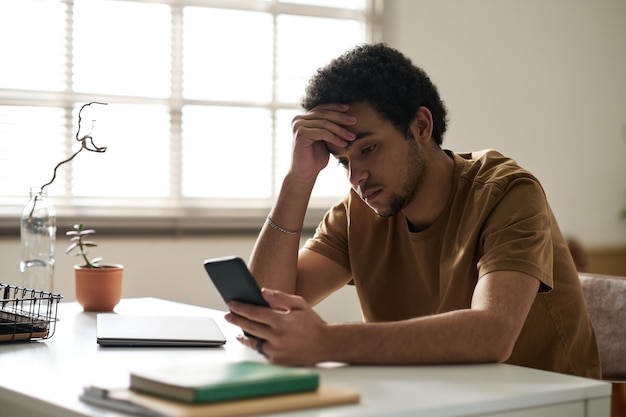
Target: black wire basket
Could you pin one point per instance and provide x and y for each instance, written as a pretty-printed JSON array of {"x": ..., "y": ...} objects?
[{"x": 27, "y": 314}]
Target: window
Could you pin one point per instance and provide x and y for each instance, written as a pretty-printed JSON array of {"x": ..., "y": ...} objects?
[{"x": 199, "y": 99}]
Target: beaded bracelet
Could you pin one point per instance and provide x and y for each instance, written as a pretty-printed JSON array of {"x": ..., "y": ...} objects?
[{"x": 280, "y": 229}]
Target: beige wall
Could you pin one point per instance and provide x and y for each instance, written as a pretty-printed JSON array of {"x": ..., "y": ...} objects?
[
  {"x": 164, "y": 267},
  {"x": 540, "y": 80}
]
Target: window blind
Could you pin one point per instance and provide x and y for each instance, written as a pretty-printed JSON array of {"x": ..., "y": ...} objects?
[{"x": 199, "y": 100}]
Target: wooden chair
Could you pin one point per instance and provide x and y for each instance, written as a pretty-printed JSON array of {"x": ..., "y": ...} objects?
[{"x": 605, "y": 296}]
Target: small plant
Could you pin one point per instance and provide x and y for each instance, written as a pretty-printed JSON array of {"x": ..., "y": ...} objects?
[{"x": 79, "y": 234}]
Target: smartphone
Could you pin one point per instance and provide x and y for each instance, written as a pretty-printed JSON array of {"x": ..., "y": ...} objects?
[{"x": 234, "y": 281}]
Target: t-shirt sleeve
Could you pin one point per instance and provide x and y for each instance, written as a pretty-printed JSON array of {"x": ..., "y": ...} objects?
[
  {"x": 517, "y": 233},
  {"x": 331, "y": 236}
]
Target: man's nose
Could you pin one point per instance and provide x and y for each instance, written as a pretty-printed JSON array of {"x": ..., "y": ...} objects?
[{"x": 357, "y": 174}]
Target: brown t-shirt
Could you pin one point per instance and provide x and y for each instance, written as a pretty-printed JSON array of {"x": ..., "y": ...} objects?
[{"x": 497, "y": 218}]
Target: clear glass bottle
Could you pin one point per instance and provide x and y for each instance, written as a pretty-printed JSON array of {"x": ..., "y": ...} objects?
[{"x": 38, "y": 232}]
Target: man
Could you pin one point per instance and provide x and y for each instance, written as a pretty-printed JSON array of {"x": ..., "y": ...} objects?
[{"x": 456, "y": 258}]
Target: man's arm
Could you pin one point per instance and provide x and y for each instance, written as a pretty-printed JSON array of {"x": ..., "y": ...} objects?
[
  {"x": 274, "y": 259},
  {"x": 486, "y": 332}
]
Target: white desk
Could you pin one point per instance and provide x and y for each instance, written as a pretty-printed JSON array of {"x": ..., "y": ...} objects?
[{"x": 45, "y": 378}]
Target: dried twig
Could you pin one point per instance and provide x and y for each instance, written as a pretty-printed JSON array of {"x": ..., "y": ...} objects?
[
  {"x": 83, "y": 144},
  {"x": 85, "y": 141}
]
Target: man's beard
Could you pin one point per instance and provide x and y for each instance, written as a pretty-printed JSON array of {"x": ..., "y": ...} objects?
[{"x": 417, "y": 171}]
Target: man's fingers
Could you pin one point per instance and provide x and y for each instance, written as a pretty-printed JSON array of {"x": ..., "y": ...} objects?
[
  {"x": 282, "y": 301},
  {"x": 253, "y": 318},
  {"x": 248, "y": 325},
  {"x": 319, "y": 129},
  {"x": 326, "y": 122}
]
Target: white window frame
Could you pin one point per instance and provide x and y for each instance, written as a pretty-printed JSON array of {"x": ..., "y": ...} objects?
[{"x": 169, "y": 215}]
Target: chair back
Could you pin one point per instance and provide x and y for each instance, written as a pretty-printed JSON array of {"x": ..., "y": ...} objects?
[{"x": 605, "y": 296}]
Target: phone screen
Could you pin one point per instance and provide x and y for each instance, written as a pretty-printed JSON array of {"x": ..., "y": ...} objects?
[{"x": 233, "y": 280}]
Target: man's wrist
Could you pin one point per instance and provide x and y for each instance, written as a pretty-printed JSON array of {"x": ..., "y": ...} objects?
[
  {"x": 331, "y": 346},
  {"x": 282, "y": 229}
]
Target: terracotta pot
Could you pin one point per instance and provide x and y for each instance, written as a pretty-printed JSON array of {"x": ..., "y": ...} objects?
[{"x": 99, "y": 289}]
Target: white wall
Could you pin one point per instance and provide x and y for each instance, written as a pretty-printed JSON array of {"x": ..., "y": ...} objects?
[{"x": 541, "y": 80}]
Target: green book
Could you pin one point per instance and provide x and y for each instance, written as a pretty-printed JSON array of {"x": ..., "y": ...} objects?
[{"x": 211, "y": 382}]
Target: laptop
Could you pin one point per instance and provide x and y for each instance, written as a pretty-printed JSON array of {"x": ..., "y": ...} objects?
[{"x": 164, "y": 331}]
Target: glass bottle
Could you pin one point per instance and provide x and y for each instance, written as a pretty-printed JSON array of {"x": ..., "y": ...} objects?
[{"x": 38, "y": 232}]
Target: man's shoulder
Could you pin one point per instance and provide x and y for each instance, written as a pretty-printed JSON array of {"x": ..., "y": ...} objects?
[{"x": 489, "y": 166}]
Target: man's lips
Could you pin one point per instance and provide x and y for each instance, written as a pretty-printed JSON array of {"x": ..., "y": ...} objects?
[{"x": 370, "y": 195}]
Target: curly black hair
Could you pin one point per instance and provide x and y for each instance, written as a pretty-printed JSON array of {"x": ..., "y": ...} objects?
[{"x": 384, "y": 78}]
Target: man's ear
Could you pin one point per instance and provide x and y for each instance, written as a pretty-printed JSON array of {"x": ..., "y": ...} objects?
[{"x": 422, "y": 125}]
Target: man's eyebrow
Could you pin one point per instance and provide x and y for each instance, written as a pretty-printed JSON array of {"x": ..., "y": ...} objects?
[{"x": 359, "y": 135}]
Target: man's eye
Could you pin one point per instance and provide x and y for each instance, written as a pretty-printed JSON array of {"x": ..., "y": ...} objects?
[
  {"x": 343, "y": 162},
  {"x": 369, "y": 149}
]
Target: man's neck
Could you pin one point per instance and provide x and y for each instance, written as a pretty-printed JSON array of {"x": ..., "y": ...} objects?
[{"x": 432, "y": 197}]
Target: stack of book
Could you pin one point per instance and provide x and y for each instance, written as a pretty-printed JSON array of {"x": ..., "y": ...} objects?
[{"x": 220, "y": 389}]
